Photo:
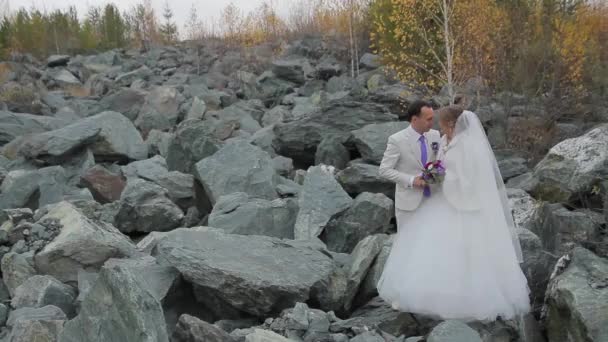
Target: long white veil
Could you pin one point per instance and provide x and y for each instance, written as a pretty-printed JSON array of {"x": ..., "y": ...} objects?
[{"x": 473, "y": 182}]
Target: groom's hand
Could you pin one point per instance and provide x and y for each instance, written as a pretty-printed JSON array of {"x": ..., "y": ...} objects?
[{"x": 419, "y": 182}]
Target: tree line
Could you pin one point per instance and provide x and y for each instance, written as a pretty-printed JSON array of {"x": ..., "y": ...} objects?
[{"x": 537, "y": 47}]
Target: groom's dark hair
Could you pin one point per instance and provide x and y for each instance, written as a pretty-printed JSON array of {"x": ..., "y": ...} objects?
[{"x": 415, "y": 108}]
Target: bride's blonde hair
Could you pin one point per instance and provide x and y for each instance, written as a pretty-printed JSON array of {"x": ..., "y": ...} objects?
[{"x": 450, "y": 114}]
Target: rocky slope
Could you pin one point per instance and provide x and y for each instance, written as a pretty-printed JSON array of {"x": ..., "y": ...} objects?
[{"x": 175, "y": 195}]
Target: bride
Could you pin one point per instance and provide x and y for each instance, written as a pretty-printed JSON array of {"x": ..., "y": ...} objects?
[{"x": 458, "y": 256}]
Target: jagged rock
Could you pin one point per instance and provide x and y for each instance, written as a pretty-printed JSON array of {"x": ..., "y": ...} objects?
[
  {"x": 573, "y": 166},
  {"x": 577, "y": 300},
  {"x": 331, "y": 151},
  {"x": 127, "y": 79},
  {"x": 134, "y": 312},
  {"x": 13, "y": 125},
  {"x": 328, "y": 67},
  {"x": 293, "y": 70},
  {"x": 537, "y": 265},
  {"x": 369, "y": 214},
  {"x": 57, "y": 60},
  {"x": 197, "y": 109},
  {"x": 298, "y": 139},
  {"x": 276, "y": 115},
  {"x": 126, "y": 101},
  {"x": 54, "y": 146},
  {"x": 525, "y": 182},
  {"x": 158, "y": 142},
  {"x": 18, "y": 189},
  {"x": 238, "y": 167},
  {"x": 105, "y": 185},
  {"x": 321, "y": 199},
  {"x": 16, "y": 269},
  {"x": 160, "y": 110},
  {"x": 193, "y": 141},
  {"x": 358, "y": 178},
  {"x": 117, "y": 140},
  {"x": 370, "y": 61},
  {"x": 341, "y": 83},
  {"x": 263, "y": 280},
  {"x": 512, "y": 167},
  {"x": 560, "y": 229},
  {"x": 45, "y": 313},
  {"x": 453, "y": 331},
  {"x": 41, "y": 324},
  {"x": 38, "y": 291},
  {"x": 180, "y": 186},
  {"x": 237, "y": 213},
  {"x": 247, "y": 114},
  {"x": 367, "y": 289},
  {"x": 523, "y": 207},
  {"x": 362, "y": 258},
  {"x": 81, "y": 244},
  {"x": 378, "y": 314},
  {"x": 62, "y": 77},
  {"x": 192, "y": 329},
  {"x": 145, "y": 207},
  {"x": 371, "y": 140}
]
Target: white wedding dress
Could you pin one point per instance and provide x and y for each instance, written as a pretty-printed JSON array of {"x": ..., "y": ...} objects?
[{"x": 458, "y": 256}]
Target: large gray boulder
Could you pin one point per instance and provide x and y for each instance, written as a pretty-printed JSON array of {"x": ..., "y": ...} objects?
[
  {"x": 133, "y": 313},
  {"x": 145, "y": 207},
  {"x": 55, "y": 145},
  {"x": 238, "y": 167},
  {"x": 295, "y": 70},
  {"x": 126, "y": 101},
  {"x": 378, "y": 313},
  {"x": 577, "y": 300},
  {"x": 246, "y": 114},
  {"x": 453, "y": 331},
  {"x": 180, "y": 186},
  {"x": 370, "y": 61},
  {"x": 192, "y": 329},
  {"x": 160, "y": 110},
  {"x": 523, "y": 208},
  {"x": 560, "y": 229},
  {"x": 371, "y": 140},
  {"x": 16, "y": 270},
  {"x": 511, "y": 167},
  {"x": 36, "y": 324},
  {"x": 331, "y": 151},
  {"x": 367, "y": 289},
  {"x": 237, "y": 213},
  {"x": 194, "y": 140},
  {"x": 573, "y": 166},
  {"x": 117, "y": 139},
  {"x": 255, "y": 274},
  {"x": 369, "y": 214},
  {"x": 298, "y": 139},
  {"x": 359, "y": 177},
  {"x": 13, "y": 125},
  {"x": 363, "y": 257},
  {"x": 537, "y": 265},
  {"x": 40, "y": 290},
  {"x": 321, "y": 199},
  {"x": 81, "y": 244}
]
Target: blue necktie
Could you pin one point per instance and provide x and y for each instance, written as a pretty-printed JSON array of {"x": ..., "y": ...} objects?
[{"x": 423, "y": 158}]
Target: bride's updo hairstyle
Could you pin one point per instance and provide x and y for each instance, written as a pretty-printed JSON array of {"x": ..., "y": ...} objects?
[{"x": 449, "y": 114}]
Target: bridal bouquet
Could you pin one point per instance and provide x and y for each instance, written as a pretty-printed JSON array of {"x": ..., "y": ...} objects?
[{"x": 433, "y": 172}]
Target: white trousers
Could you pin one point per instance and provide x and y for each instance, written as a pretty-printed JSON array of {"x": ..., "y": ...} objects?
[{"x": 402, "y": 216}]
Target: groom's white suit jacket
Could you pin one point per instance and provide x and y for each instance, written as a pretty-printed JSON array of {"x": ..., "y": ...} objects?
[{"x": 402, "y": 163}]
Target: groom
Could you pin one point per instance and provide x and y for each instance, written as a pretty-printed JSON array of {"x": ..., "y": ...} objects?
[{"x": 406, "y": 153}]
